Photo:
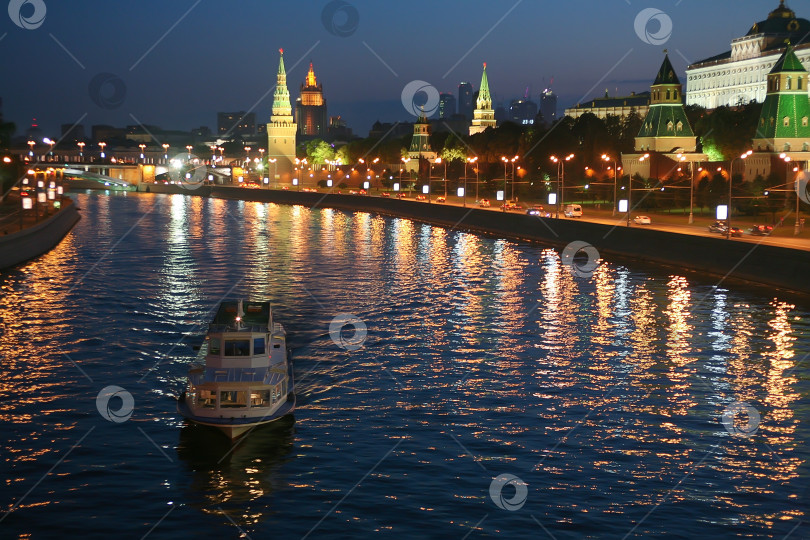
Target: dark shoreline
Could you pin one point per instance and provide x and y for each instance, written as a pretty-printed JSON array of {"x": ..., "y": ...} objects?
[{"x": 769, "y": 269}]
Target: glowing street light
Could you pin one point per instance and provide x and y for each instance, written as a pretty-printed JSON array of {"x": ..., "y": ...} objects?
[
  {"x": 142, "y": 146},
  {"x": 273, "y": 161},
  {"x": 189, "y": 147},
  {"x": 466, "y": 162},
  {"x": 81, "y": 150},
  {"x": 102, "y": 145},
  {"x": 31, "y": 145}
]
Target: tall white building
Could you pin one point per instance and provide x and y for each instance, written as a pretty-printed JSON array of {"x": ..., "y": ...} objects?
[{"x": 740, "y": 75}]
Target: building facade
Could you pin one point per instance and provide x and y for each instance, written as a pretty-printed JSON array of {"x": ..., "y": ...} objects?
[
  {"x": 739, "y": 75},
  {"x": 483, "y": 115},
  {"x": 310, "y": 108},
  {"x": 612, "y": 106},
  {"x": 281, "y": 130},
  {"x": 238, "y": 123}
]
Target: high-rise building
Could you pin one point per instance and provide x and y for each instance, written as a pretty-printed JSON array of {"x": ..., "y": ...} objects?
[
  {"x": 281, "y": 129},
  {"x": 240, "y": 123},
  {"x": 483, "y": 115},
  {"x": 548, "y": 106},
  {"x": 72, "y": 132},
  {"x": 522, "y": 111},
  {"x": 447, "y": 105},
  {"x": 310, "y": 108},
  {"x": 465, "y": 100}
]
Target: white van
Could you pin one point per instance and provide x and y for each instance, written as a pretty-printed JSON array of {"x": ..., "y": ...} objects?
[{"x": 572, "y": 210}]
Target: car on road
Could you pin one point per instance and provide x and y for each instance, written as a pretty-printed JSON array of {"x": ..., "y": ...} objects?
[
  {"x": 537, "y": 211},
  {"x": 760, "y": 230},
  {"x": 735, "y": 231},
  {"x": 718, "y": 227},
  {"x": 483, "y": 203},
  {"x": 385, "y": 194},
  {"x": 440, "y": 199},
  {"x": 642, "y": 220},
  {"x": 421, "y": 198},
  {"x": 573, "y": 210},
  {"x": 362, "y": 192},
  {"x": 402, "y": 195}
]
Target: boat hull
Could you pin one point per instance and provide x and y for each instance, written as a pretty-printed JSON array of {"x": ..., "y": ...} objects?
[{"x": 235, "y": 427}]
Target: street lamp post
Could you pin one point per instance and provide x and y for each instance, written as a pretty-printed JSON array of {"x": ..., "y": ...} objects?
[
  {"x": 556, "y": 160},
  {"x": 50, "y": 142},
  {"x": 470, "y": 160},
  {"x": 102, "y": 145},
  {"x": 81, "y": 150},
  {"x": 615, "y": 180},
  {"x": 730, "y": 178},
  {"x": 787, "y": 159},
  {"x": 142, "y": 146},
  {"x": 31, "y": 148},
  {"x": 505, "y": 165},
  {"x": 189, "y": 147}
]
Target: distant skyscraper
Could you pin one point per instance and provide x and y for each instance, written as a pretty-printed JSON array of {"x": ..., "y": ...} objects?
[
  {"x": 548, "y": 106},
  {"x": 447, "y": 105},
  {"x": 281, "y": 129},
  {"x": 483, "y": 115},
  {"x": 310, "y": 108},
  {"x": 465, "y": 100}
]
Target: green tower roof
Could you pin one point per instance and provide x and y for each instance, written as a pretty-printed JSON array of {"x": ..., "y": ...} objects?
[
  {"x": 483, "y": 92},
  {"x": 666, "y": 75},
  {"x": 281, "y": 70},
  {"x": 666, "y": 120},
  {"x": 795, "y": 108},
  {"x": 788, "y": 62}
]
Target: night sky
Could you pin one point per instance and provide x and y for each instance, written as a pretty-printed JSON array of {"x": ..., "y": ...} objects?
[{"x": 223, "y": 56}]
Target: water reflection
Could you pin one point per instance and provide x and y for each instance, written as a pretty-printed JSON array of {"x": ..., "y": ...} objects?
[
  {"x": 613, "y": 383},
  {"x": 237, "y": 477}
]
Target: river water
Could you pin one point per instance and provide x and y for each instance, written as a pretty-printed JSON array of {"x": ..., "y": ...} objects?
[{"x": 495, "y": 394}]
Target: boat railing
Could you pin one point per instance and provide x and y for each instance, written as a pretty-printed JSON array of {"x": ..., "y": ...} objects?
[{"x": 219, "y": 328}]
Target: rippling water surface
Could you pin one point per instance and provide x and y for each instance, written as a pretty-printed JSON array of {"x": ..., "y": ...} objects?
[{"x": 603, "y": 397}]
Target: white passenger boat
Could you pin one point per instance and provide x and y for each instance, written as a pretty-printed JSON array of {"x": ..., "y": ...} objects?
[{"x": 247, "y": 379}]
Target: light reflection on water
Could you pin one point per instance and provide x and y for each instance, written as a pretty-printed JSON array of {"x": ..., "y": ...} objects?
[{"x": 483, "y": 357}]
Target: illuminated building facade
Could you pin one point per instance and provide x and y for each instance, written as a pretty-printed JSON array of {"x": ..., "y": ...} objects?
[
  {"x": 310, "y": 108},
  {"x": 465, "y": 100},
  {"x": 281, "y": 130},
  {"x": 739, "y": 75}
]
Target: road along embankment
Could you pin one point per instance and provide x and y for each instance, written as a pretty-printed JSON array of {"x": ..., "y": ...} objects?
[
  {"x": 33, "y": 241},
  {"x": 729, "y": 260}
]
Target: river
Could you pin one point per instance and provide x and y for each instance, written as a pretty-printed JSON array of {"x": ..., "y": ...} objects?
[{"x": 492, "y": 393}]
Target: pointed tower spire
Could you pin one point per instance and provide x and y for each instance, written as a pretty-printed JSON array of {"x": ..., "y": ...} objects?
[
  {"x": 281, "y": 97},
  {"x": 311, "y": 76},
  {"x": 483, "y": 93},
  {"x": 483, "y": 115}
]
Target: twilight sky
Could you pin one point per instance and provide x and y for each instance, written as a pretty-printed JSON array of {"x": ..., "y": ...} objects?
[{"x": 176, "y": 63}]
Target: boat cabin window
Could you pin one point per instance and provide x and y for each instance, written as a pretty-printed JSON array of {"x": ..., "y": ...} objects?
[
  {"x": 258, "y": 345},
  {"x": 260, "y": 398},
  {"x": 208, "y": 399},
  {"x": 237, "y": 347},
  {"x": 232, "y": 398},
  {"x": 214, "y": 345}
]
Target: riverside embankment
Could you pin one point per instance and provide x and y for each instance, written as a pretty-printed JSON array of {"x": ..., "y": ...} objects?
[
  {"x": 36, "y": 239},
  {"x": 772, "y": 266}
]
